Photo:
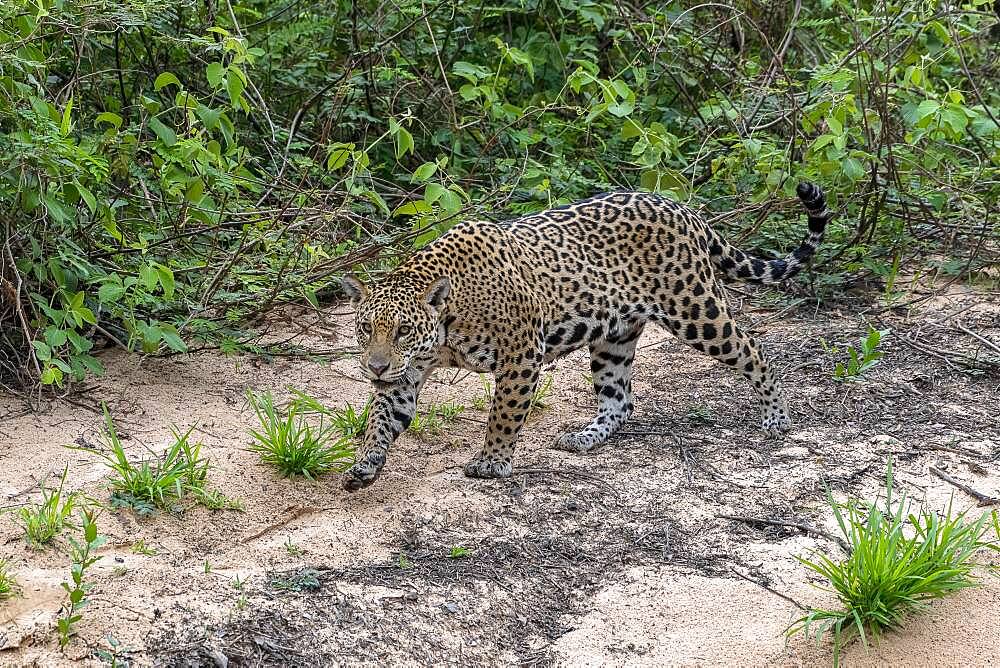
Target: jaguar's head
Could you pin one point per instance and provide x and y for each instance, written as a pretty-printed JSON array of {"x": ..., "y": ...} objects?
[{"x": 396, "y": 322}]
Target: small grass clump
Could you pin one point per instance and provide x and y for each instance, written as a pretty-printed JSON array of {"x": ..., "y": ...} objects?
[
  {"x": 898, "y": 561},
  {"x": 42, "y": 522},
  {"x": 293, "y": 445},
  {"x": 540, "y": 397},
  {"x": 349, "y": 421},
  {"x": 435, "y": 418},
  {"x": 481, "y": 402},
  {"x": 159, "y": 482},
  {"x": 9, "y": 587}
]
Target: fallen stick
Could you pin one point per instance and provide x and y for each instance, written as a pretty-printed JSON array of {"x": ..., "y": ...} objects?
[
  {"x": 765, "y": 587},
  {"x": 983, "y": 499},
  {"x": 293, "y": 513},
  {"x": 795, "y": 525}
]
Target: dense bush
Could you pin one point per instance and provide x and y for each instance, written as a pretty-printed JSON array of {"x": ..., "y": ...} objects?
[{"x": 172, "y": 168}]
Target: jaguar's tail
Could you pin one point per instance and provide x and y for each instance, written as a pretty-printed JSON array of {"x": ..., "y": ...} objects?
[{"x": 738, "y": 265}]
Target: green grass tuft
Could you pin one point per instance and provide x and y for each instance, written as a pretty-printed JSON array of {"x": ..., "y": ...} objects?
[
  {"x": 293, "y": 445},
  {"x": 437, "y": 416},
  {"x": 158, "y": 482},
  {"x": 898, "y": 561},
  {"x": 44, "y": 521},
  {"x": 9, "y": 587}
]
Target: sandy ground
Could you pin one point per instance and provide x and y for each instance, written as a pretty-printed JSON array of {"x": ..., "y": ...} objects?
[{"x": 619, "y": 557}]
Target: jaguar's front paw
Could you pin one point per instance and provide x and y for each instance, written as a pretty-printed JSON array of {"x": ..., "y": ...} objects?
[
  {"x": 362, "y": 474},
  {"x": 776, "y": 423},
  {"x": 488, "y": 467}
]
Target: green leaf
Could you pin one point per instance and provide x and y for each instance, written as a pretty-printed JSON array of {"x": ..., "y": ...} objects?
[
  {"x": 54, "y": 336},
  {"x": 42, "y": 351},
  {"x": 110, "y": 292},
  {"x": 413, "y": 208},
  {"x": 621, "y": 109},
  {"x": 148, "y": 277},
  {"x": 172, "y": 338},
  {"x": 110, "y": 118},
  {"x": 404, "y": 142},
  {"x": 469, "y": 71},
  {"x": 64, "y": 126},
  {"x": 836, "y": 127},
  {"x": 954, "y": 116},
  {"x": 195, "y": 192},
  {"x": 215, "y": 72},
  {"x": 52, "y": 375},
  {"x": 339, "y": 154},
  {"x": 522, "y": 58},
  {"x": 166, "y": 135},
  {"x": 166, "y": 279},
  {"x": 915, "y": 115},
  {"x": 631, "y": 129},
  {"x": 165, "y": 79},
  {"x": 86, "y": 196},
  {"x": 450, "y": 202},
  {"x": 209, "y": 117},
  {"x": 86, "y": 315},
  {"x": 433, "y": 192},
  {"x": 853, "y": 169},
  {"x": 235, "y": 85},
  {"x": 424, "y": 171}
]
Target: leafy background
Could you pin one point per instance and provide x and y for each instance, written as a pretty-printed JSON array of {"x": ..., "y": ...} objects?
[{"x": 171, "y": 169}]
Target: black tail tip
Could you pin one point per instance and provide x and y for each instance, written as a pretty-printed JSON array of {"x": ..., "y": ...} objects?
[{"x": 811, "y": 195}]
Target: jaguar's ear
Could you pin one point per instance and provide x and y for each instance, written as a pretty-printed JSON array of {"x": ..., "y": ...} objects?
[
  {"x": 438, "y": 292},
  {"x": 353, "y": 288}
]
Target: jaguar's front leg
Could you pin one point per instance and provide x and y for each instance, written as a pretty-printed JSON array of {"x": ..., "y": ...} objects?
[
  {"x": 392, "y": 409},
  {"x": 516, "y": 381}
]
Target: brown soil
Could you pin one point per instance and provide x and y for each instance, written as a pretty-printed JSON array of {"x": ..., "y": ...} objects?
[{"x": 619, "y": 557}]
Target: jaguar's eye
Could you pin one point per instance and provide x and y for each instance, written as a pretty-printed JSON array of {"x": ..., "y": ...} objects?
[
  {"x": 366, "y": 329},
  {"x": 404, "y": 330}
]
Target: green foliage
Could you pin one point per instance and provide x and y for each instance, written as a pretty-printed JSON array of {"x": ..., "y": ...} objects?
[
  {"x": 481, "y": 402},
  {"x": 859, "y": 360},
  {"x": 306, "y": 579},
  {"x": 159, "y": 482},
  {"x": 82, "y": 557},
  {"x": 898, "y": 560},
  {"x": 293, "y": 445},
  {"x": 173, "y": 170},
  {"x": 8, "y": 583},
  {"x": 43, "y": 521},
  {"x": 540, "y": 397},
  {"x": 349, "y": 421},
  {"x": 433, "y": 420},
  {"x": 459, "y": 552},
  {"x": 140, "y": 547}
]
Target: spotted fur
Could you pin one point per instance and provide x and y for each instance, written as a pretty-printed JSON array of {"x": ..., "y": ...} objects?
[{"x": 505, "y": 298}]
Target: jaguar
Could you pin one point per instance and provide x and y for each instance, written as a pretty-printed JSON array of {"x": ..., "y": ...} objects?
[{"x": 508, "y": 297}]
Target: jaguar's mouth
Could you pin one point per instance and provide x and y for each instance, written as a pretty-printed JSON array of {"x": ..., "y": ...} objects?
[{"x": 386, "y": 383}]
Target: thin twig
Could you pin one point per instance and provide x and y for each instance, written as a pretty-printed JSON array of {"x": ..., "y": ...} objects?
[
  {"x": 795, "y": 525},
  {"x": 983, "y": 499},
  {"x": 765, "y": 587}
]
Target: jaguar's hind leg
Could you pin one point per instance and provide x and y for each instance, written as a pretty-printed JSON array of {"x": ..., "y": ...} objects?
[
  {"x": 611, "y": 366},
  {"x": 709, "y": 328}
]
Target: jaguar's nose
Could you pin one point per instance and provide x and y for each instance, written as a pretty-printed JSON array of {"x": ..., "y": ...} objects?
[{"x": 378, "y": 366}]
